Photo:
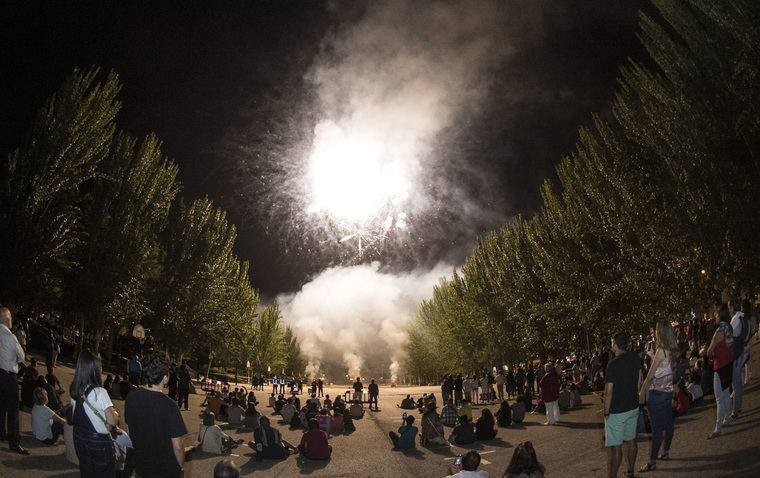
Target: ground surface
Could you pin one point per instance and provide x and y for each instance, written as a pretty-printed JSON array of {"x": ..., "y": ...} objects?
[{"x": 574, "y": 448}]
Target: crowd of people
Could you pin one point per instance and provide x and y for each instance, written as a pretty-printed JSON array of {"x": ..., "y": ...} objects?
[{"x": 644, "y": 383}]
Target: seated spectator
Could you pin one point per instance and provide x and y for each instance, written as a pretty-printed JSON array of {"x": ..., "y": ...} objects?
[
  {"x": 328, "y": 403},
  {"x": 323, "y": 418},
  {"x": 583, "y": 385},
  {"x": 314, "y": 444},
  {"x": 226, "y": 469},
  {"x": 339, "y": 404},
  {"x": 251, "y": 419},
  {"x": 484, "y": 428},
  {"x": 463, "y": 434},
  {"x": 565, "y": 398},
  {"x": 524, "y": 463},
  {"x": 28, "y": 384},
  {"x": 288, "y": 410},
  {"x": 598, "y": 382},
  {"x": 504, "y": 415},
  {"x": 518, "y": 410},
  {"x": 406, "y": 434},
  {"x": 356, "y": 409},
  {"x": 465, "y": 409},
  {"x": 235, "y": 413},
  {"x": 575, "y": 400},
  {"x": 432, "y": 428},
  {"x": 272, "y": 400},
  {"x": 54, "y": 399},
  {"x": 124, "y": 387},
  {"x": 217, "y": 406},
  {"x": 470, "y": 464},
  {"x": 449, "y": 414},
  {"x": 52, "y": 380},
  {"x": 407, "y": 403},
  {"x": 268, "y": 442},
  {"x": 694, "y": 389},
  {"x": 46, "y": 424},
  {"x": 336, "y": 422},
  {"x": 527, "y": 399},
  {"x": 421, "y": 401},
  {"x": 212, "y": 439},
  {"x": 251, "y": 399},
  {"x": 348, "y": 420},
  {"x": 296, "y": 402},
  {"x": 313, "y": 399},
  {"x": 279, "y": 404}
]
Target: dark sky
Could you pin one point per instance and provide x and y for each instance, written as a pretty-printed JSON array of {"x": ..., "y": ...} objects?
[{"x": 223, "y": 85}]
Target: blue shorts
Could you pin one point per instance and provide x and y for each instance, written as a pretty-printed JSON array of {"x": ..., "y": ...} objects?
[{"x": 620, "y": 427}]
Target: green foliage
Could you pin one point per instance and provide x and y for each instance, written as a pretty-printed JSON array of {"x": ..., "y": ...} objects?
[{"x": 646, "y": 201}]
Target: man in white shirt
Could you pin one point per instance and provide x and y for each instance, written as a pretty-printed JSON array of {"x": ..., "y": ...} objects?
[
  {"x": 500, "y": 381},
  {"x": 11, "y": 354},
  {"x": 470, "y": 463}
]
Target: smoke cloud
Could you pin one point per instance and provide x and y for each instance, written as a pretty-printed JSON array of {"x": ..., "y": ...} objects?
[{"x": 352, "y": 320}]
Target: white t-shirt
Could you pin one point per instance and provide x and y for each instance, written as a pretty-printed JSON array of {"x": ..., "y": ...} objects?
[
  {"x": 42, "y": 419},
  {"x": 736, "y": 324},
  {"x": 235, "y": 415},
  {"x": 470, "y": 474},
  {"x": 100, "y": 401}
]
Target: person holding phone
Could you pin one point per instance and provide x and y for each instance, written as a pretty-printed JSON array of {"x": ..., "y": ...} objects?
[
  {"x": 406, "y": 433},
  {"x": 467, "y": 466}
]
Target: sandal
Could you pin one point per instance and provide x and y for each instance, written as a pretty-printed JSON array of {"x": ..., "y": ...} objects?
[
  {"x": 648, "y": 467},
  {"x": 664, "y": 456}
]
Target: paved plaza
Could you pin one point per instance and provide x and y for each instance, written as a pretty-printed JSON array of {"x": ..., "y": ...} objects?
[{"x": 574, "y": 448}]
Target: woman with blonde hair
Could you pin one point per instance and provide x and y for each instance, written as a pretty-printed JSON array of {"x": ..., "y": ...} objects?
[{"x": 659, "y": 385}]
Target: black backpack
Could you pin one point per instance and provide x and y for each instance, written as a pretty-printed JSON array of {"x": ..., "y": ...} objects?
[{"x": 745, "y": 335}]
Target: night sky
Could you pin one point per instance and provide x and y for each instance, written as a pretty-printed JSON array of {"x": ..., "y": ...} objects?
[{"x": 228, "y": 87}]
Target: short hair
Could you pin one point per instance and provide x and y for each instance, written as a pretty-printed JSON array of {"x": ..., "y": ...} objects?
[
  {"x": 208, "y": 418},
  {"x": 471, "y": 461},
  {"x": 226, "y": 469},
  {"x": 463, "y": 419},
  {"x": 621, "y": 340},
  {"x": 40, "y": 396},
  {"x": 409, "y": 420},
  {"x": 155, "y": 366},
  {"x": 313, "y": 424},
  {"x": 264, "y": 421}
]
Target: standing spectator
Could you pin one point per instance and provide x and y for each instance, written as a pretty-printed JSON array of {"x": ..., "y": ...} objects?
[
  {"x": 722, "y": 348},
  {"x": 739, "y": 326},
  {"x": 520, "y": 381},
  {"x": 183, "y": 386},
  {"x": 314, "y": 444},
  {"x": 155, "y": 423},
  {"x": 539, "y": 376},
  {"x": 524, "y": 463},
  {"x": 21, "y": 335},
  {"x": 470, "y": 464},
  {"x": 52, "y": 349},
  {"x": 135, "y": 370},
  {"x": 550, "y": 394},
  {"x": 500, "y": 381},
  {"x": 531, "y": 377},
  {"x": 358, "y": 386},
  {"x": 11, "y": 354},
  {"x": 621, "y": 405},
  {"x": 458, "y": 384},
  {"x": 320, "y": 388},
  {"x": 93, "y": 418},
  {"x": 374, "y": 391},
  {"x": 172, "y": 385},
  {"x": 659, "y": 385}
]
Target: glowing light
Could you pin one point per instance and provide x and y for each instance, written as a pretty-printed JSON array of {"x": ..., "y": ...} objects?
[{"x": 354, "y": 177}]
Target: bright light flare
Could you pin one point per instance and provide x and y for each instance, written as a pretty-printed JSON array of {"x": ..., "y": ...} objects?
[{"x": 354, "y": 176}]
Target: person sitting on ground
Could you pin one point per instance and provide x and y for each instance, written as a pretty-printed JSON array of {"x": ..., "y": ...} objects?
[
  {"x": 356, "y": 409},
  {"x": 52, "y": 380},
  {"x": 54, "y": 399},
  {"x": 348, "y": 420},
  {"x": 47, "y": 425},
  {"x": 463, "y": 433},
  {"x": 328, "y": 403},
  {"x": 28, "y": 384},
  {"x": 252, "y": 398},
  {"x": 251, "y": 419},
  {"x": 314, "y": 400},
  {"x": 115, "y": 392},
  {"x": 694, "y": 389},
  {"x": 407, "y": 403},
  {"x": 272, "y": 400},
  {"x": 518, "y": 410},
  {"x": 484, "y": 428},
  {"x": 421, "y": 402},
  {"x": 268, "y": 442},
  {"x": 465, "y": 409},
  {"x": 449, "y": 414},
  {"x": 406, "y": 434},
  {"x": 279, "y": 404},
  {"x": 323, "y": 418},
  {"x": 235, "y": 413},
  {"x": 432, "y": 428},
  {"x": 527, "y": 400},
  {"x": 336, "y": 422},
  {"x": 339, "y": 404},
  {"x": 296, "y": 402},
  {"x": 565, "y": 398},
  {"x": 576, "y": 396},
  {"x": 470, "y": 464},
  {"x": 583, "y": 385},
  {"x": 124, "y": 387},
  {"x": 288, "y": 410},
  {"x": 504, "y": 415},
  {"x": 524, "y": 463},
  {"x": 314, "y": 445},
  {"x": 226, "y": 469},
  {"x": 217, "y": 406},
  {"x": 211, "y": 438}
]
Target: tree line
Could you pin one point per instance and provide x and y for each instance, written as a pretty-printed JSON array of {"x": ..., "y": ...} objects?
[
  {"x": 653, "y": 215},
  {"x": 93, "y": 232}
]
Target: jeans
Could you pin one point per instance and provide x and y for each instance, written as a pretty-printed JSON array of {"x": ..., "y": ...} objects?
[
  {"x": 500, "y": 389},
  {"x": 660, "y": 408},
  {"x": 552, "y": 412},
  {"x": 723, "y": 401},
  {"x": 96, "y": 454},
  {"x": 737, "y": 381},
  {"x": 9, "y": 407}
]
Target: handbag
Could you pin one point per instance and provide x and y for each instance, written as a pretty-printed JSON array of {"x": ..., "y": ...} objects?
[{"x": 117, "y": 453}]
